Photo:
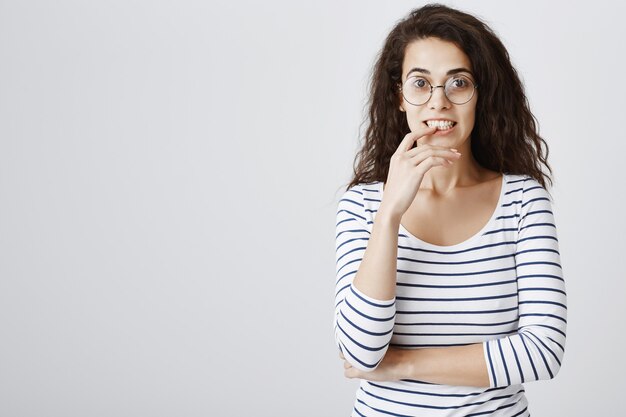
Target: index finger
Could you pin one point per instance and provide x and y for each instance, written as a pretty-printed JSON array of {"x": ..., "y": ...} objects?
[{"x": 413, "y": 136}]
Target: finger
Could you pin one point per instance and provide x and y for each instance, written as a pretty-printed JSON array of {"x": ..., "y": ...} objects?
[
  {"x": 422, "y": 148},
  {"x": 341, "y": 355},
  {"x": 431, "y": 162},
  {"x": 346, "y": 365},
  {"x": 422, "y": 155},
  {"x": 413, "y": 136}
]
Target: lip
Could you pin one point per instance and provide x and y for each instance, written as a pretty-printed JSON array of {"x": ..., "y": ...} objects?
[
  {"x": 442, "y": 132},
  {"x": 440, "y": 119}
]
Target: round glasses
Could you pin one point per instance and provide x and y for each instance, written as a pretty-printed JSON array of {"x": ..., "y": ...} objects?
[{"x": 458, "y": 89}]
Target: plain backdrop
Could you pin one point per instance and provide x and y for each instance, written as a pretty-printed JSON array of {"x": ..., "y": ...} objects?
[{"x": 169, "y": 175}]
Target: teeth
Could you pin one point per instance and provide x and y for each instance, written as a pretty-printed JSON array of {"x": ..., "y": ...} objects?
[{"x": 440, "y": 124}]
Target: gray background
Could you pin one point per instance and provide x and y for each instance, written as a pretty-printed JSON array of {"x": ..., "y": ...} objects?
[{"x": 169, "y": 174}]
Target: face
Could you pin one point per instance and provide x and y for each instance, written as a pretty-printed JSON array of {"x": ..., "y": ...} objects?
[{"x": 437, "y": 61}]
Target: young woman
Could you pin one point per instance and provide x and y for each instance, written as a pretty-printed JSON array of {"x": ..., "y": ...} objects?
[{"x": 449, "y": 291}]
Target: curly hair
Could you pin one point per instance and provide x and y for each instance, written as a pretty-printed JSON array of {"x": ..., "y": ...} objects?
[{"x": 505, "y": 135}]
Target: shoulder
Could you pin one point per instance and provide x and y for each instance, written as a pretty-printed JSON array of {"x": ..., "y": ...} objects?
[
  {"x": 526, "y": 193},
  {"x": 361, "y": 201},
  {"x": 524, "y": 185},
  {"x": 361, "y": 193}
]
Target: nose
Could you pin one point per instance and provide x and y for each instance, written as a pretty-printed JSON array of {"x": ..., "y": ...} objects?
[{"x": 438, "y": 99}]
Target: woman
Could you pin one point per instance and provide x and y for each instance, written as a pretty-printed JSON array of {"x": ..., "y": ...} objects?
[{"x": 450, "y": 292}]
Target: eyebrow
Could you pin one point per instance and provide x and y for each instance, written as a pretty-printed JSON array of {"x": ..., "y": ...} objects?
[{"x": 451, "y": 72}]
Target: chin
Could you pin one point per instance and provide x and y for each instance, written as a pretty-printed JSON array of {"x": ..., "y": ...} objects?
[{"x": 442, "y": 141}]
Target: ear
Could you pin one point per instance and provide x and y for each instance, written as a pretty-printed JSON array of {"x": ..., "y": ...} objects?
[
  {"x": 401, "y": 106},
  {"x": 401, "y": 100}
]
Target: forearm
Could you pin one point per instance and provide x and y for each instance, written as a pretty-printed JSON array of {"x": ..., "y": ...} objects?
[
  {"x": 376, "y": 276},
  {"x": 454, "y": 365}
]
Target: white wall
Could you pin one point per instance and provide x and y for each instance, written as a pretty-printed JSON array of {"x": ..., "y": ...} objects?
[{"x": 169, "y": 172}]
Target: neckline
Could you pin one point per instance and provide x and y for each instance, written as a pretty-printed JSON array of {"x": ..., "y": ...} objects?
[{"x": 467, "y": 241}]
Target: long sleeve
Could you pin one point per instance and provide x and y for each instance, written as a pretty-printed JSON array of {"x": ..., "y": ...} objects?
[
  {"x": 536, "y": 351},
  {"x": 363, "y": 325}
]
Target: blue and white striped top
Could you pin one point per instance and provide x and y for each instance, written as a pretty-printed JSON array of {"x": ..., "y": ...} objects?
[{"x": 503, "y": 287}]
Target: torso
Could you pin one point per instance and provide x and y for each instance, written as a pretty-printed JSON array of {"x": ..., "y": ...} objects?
[
  {"x": 454, "y": 218},
  {"x": 468, "y": 293}
]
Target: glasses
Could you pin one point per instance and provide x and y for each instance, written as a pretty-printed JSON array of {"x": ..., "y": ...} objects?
[{"x": 458, "y": 90}]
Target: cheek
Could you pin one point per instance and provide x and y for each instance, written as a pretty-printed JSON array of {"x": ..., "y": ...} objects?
[
  {"x": 414, "y": 121},
  {"x": 469, "y": 117}
]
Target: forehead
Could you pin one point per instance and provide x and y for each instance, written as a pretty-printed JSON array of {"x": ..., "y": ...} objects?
[{"x": 435, "y": 55}]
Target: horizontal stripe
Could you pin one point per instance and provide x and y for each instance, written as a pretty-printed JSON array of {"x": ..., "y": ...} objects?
[
  {"x": 456, "y": 274},
  {"x": 536, "y": 325},
  {"x": 534, "y": 200},
  {"x": 351, "y": 213},
  {"x": 431, "y": 394},
  {"x": 505, "y": 229},
  {"x": 449, "y": 334},
  {"x": 461, "y": 312},
  {"x": 491, "y": 297},
  {"x": 456, "y": 323},
  {"x": 542, "y": 289},
  {"x": 484, "y": 284},
  {"x": 543, "y": 302},
  {"x": 433, "y": 407},
  {"x": 457, "y": 252},
  {"x": 350, "y": 241},
  {"x": 470, "y": 261},
  {"x": 367, "y": 316},
  {"x": 531, "y": 213},
  {"x": 363, "y": 330},
  {"x": 362, "y": 346},
  {"x": 554, "y": 316},
  {"x": 358, "y": 249},
  {"x": 381, "y": 304},
  {"x": 483, "y": 413},
  {"x": 514, "y": 191},
  {"x": 540, "y": 276},
  {"x": 356, "y": 358}
]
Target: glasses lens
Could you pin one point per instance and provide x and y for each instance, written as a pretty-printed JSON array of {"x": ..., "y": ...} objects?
[
  {"x": 416, "y": 90},
  {"x": 459, "y": 89}
]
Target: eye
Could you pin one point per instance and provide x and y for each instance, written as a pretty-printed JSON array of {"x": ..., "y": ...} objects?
[
  {"x": 419, "y": 83},
  {"x": 459, "y": 83}
]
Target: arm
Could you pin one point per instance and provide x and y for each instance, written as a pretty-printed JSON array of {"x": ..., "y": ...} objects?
[
  {"x": 366, "y": 279},
  {"x": 536, "y": 351},
  {"x": 454, "y": 365},
  {"x": 365, "y": 304}
]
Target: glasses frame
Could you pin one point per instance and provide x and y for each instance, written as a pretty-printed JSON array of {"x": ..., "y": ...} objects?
[{"x": 432, "y": 88}]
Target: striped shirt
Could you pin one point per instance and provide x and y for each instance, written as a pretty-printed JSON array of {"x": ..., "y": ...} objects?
[{"x": 502, "y": 287}]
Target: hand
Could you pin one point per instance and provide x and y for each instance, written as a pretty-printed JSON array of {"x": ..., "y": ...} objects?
[
  {"x": 393, "y": 367},
  {"x": 407, "y": 168}
]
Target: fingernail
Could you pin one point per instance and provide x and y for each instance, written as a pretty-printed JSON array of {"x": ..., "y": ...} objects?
[{"x": 452, "y": 149}]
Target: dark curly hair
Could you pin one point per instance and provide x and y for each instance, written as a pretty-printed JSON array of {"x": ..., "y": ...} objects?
[{"x": 505, "y": 136}]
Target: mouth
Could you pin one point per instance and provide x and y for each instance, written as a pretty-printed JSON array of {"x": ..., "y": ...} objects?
[{"x": 440, "y": 124}]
